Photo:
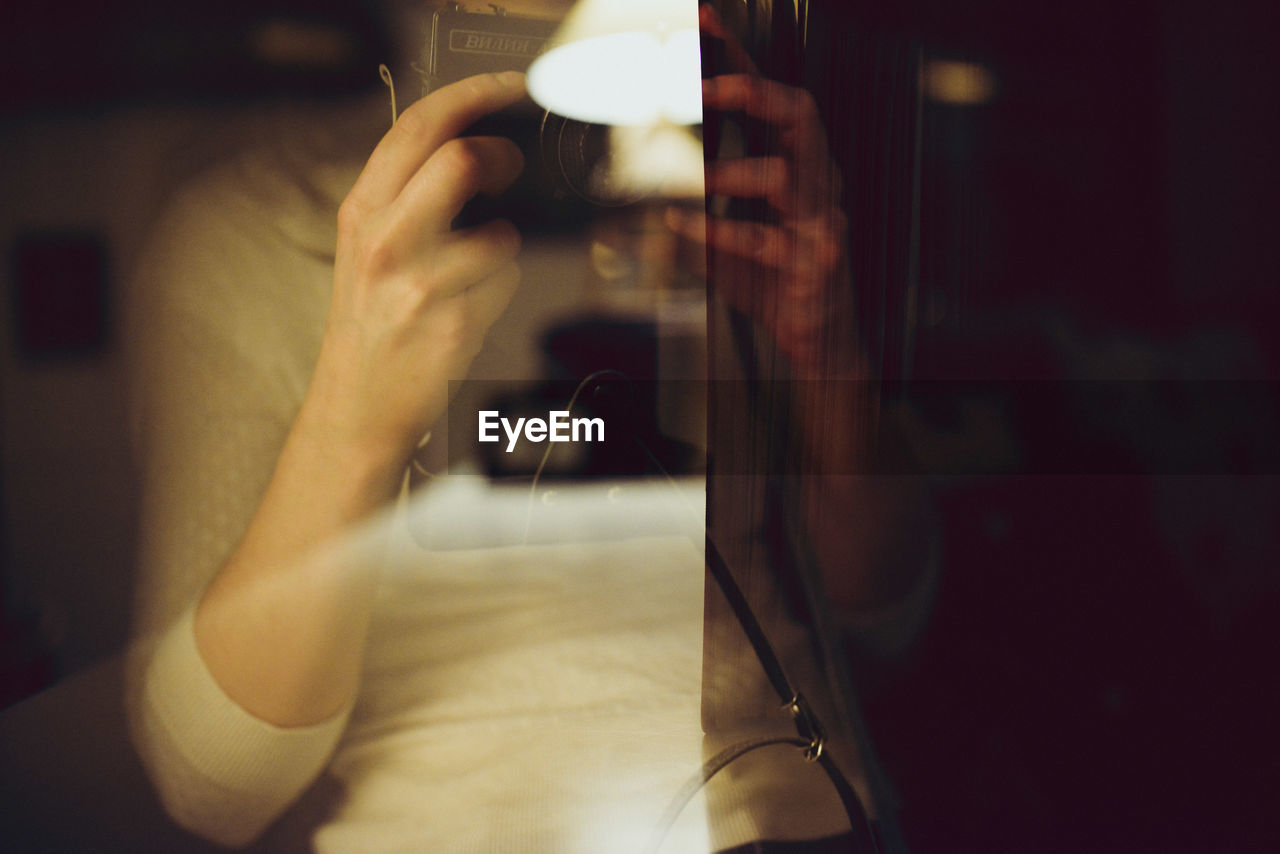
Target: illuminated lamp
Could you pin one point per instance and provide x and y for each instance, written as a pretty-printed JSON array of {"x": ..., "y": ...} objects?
[{"x": 623, "y": 63}]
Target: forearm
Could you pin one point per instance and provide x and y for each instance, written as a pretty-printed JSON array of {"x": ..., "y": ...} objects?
[
  {"x": 872, "y": 537},
  {"x": 871, "y": 531},
  {"x": 282, "y": 625}
]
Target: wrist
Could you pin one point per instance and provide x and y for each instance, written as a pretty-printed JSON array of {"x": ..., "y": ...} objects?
[{"x": 341, "y": 449}]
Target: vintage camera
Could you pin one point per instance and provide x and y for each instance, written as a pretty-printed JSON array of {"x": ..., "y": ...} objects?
[
  {"x": 566, "y": 161},
  {"x": 462, "y": 44}
]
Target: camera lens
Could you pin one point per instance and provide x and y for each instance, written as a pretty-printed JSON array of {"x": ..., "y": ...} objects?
[{"x": 577, "y": 154}]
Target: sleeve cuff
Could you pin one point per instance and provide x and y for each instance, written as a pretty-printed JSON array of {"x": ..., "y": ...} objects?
[{"x": 221, "y": 772}]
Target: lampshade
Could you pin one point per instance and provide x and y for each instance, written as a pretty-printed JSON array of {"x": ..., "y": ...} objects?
[{"x": 623, "y": 62}]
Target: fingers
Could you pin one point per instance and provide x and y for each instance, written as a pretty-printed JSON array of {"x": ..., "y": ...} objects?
[
  {"x": 458, "y": 170},
  {"x": 460, "y": 323},
  {"x": 487, "y": 299},
  {"x": 760, "y": 98},
  {"x": 710, "y": 23},
  {"x": 789, "y": 108},
  {"x": 425, "y": 127},
  {"x": 471, "y": 257},
  {"x": 815, "y": 181},
  {"x": 752, "y": 177},
  {"x": 799, "y": 191},
  {"x": 780, "y": 276},
  {"x": 792, "y": 111},
  {"x": 762, "y": 244},
  {"x": 760, "y": 272}
]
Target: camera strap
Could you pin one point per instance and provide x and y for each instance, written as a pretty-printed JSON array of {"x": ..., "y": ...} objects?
[{"x": 810, "y": 738}]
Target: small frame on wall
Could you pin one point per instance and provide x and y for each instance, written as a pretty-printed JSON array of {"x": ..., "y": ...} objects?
[{"x": 61, "y": 294}]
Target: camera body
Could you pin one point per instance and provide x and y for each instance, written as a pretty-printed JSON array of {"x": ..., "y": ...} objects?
[
  {"x": 563, "y": 157},
  {"x": 463, "y": 44}
]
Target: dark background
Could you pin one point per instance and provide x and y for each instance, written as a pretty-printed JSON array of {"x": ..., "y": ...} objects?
[
  {"x": 1097, "y": 675},
  {"x": 1099, "y": 671},
  {"x": 104, "y": 109}
]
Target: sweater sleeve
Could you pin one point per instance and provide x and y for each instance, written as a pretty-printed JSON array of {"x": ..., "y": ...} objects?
[
  {"x": 219, "y": 771},
  {"x": 224, "y": 317}
]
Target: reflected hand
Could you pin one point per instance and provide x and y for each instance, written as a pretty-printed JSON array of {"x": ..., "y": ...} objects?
[
  {"x": 789, "y": 273},
  {"x": 788, "y": 270}
]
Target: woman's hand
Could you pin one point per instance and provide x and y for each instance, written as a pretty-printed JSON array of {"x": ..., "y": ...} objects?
[
  {"x": 787, "y": 270},
  {"x": 413, "y": 298},
  {"x": 282, "y": 630}
]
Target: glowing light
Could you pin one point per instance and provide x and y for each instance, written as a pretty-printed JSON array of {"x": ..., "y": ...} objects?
[
  {"x": 660, "y": 160},
  {"x": 960, "y": 83},
  {"x": 623, "y": 62}
]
